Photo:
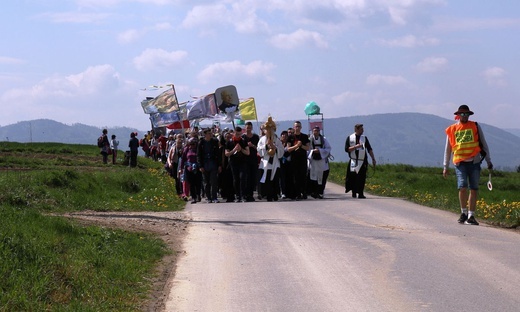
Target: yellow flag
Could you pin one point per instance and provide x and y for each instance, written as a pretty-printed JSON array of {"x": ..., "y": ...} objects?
[{"x": 248, "y": 109}]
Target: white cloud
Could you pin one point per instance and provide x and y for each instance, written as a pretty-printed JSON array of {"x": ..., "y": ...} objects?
[
  {"x": 235, "y": 70},
  {"x": 299, "y": 38},
  {"x": 154, "y": 59},
  {"x": 203, "y": 15},
  {"x": 209, "y": 17},
  {"x": 112, "y": 3},
  {"x": 432, "y": 64},
  {"x": 249, "y": 22},
  {"x": 76, "y": 17},
  {"x": 95, "y": 79},
  {"x": 72, "y": 98},
  {"x": 471, "y": 24},
  {"x": 348, "y": 96},
  {"x": 495, "y": 76},
  {"x": 10, "y": 60},
  {"x": 382, "y": 79},
  {"x": 132, "y": 35},
  {"x": 402, "y": 11},
  {"x": 409, "y": 41}
]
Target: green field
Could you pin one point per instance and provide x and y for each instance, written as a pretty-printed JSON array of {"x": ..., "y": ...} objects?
[
  {"x": 50, "y": 263},
  {"x": 427, "y": 186}
]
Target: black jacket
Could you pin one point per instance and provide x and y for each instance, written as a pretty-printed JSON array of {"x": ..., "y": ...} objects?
[{"x": 214, "y": 153}]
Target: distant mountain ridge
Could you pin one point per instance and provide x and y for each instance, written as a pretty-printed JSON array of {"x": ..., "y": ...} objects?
[
  {"x": 413, "y": 138},
  {"x": 406, "y": 138},
  {"x": 46, "y": 130},
  {"x": 514, "y": 131}
]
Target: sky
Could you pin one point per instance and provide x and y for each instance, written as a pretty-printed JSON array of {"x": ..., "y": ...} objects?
[{"x": 89, "y": 61}]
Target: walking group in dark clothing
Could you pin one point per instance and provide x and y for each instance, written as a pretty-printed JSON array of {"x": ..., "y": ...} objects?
[{"x": 234, "y": 164}]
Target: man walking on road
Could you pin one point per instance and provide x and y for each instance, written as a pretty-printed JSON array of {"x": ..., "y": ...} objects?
[
  {"x": 465, "y": 140},
  {"x": 210, "y": 160},
  {"x": 299, "y": 146},
  {"x": 357, "y": 146}
]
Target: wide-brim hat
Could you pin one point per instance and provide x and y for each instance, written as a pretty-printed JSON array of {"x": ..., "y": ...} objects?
[{"x": 463, "y": 109}]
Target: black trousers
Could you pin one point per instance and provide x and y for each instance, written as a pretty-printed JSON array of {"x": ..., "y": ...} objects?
[
  {"x": 315, "y": 188},
  {"x": 133, "y": 158},
  {"x": 299, "y": 177},
  {"x": 355, "y": 182},
  {"x": 270, "y": 188},
  {"x": 251, "y": 176},
  {"x": 239, "y": 179}
]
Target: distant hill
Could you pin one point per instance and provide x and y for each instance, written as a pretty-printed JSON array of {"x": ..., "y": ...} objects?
[
  {"x": 406, "y": 138},
  {"x": 514, "y": 131},
  {"x": 412, "y": 138},
  {"x": 45, "y": 130}
]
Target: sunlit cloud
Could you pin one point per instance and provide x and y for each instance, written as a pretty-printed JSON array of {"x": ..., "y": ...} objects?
[
  {"x": 156, "y": 59},
  {"x": 5, "y": 60},
  {"x": 495, "y": 76},
  {"x": 385, "y": 80},
  {"x": 298, "y": 39},
  {"x": 235, "y": 70},
  {"x": 132, "y": 35},
  {"x": 409, "y": 41},
  {"x": 76, "y": 17},
  {"x": 432, "y": 64}
]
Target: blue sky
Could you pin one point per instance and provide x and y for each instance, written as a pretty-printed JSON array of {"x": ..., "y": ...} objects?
[{"x": 86, "y": 61}]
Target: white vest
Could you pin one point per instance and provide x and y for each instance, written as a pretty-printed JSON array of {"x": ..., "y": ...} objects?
[{"x": 357, "y": 156}]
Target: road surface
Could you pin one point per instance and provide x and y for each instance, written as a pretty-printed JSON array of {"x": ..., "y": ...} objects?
[{"x": 343, "y": 254}]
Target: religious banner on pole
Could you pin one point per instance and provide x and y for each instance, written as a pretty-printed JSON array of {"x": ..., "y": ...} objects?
[
  {"x": 164, "y": 119},
  {"x": 202, "y": 107},
  {"x": 165, "y": 102},
  {"x": 248, "y": 109}
]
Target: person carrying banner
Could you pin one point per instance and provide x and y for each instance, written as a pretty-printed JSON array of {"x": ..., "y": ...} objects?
[{"x": 357, "y": 146}]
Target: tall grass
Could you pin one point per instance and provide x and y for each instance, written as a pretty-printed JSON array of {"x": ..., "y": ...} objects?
[
  {"x": 51, "y": 263},
  {"x": 427, "y": 186}
]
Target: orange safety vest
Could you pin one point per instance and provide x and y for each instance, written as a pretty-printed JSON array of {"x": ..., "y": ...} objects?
[{"x": 464, "y": 141}]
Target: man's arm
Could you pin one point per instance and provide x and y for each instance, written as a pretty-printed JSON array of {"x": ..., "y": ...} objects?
[
  {"x": 447, "y": 156},
  {"x": 485, "y": 147}
]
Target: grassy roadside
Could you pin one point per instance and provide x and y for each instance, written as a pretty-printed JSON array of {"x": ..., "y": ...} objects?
[
  {"x": 426, "y": 186},
  {"x": 51, "y": 263}
]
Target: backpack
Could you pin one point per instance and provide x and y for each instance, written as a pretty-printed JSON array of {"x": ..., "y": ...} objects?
[{"x": 100, "y": 141}]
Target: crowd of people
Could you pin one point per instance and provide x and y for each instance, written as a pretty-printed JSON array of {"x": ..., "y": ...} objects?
[{"x": 233, "y": 164}]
